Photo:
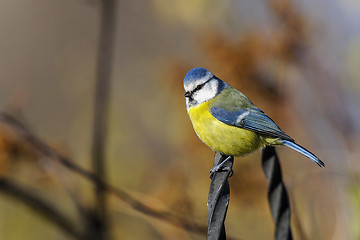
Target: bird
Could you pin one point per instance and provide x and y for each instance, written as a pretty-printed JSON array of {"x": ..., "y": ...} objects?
[{"x": 228, "y": 122}]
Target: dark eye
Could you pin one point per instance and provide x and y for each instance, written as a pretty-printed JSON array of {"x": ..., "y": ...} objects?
[{"x": 199, "y": 87}]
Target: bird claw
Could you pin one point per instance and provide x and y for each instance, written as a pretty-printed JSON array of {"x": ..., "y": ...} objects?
[{"x": 221, "y": 168}]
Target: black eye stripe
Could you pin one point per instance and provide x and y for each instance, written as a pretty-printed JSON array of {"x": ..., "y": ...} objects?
[{"x": 198, "y": 87}]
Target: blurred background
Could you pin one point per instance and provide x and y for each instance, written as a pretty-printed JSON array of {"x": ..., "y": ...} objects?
[{"x": 297, "y": 60}]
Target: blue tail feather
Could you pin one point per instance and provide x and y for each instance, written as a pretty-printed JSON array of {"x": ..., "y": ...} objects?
[{"x": 303, "y": 151}]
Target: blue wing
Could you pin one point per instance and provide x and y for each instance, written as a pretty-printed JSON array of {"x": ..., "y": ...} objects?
[{"x": 252, "y": 119}]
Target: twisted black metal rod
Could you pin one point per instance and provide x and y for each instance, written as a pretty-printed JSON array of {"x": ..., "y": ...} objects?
[
  {"x": 277, "y": 194},
  {"x": 218, "y": 199}
]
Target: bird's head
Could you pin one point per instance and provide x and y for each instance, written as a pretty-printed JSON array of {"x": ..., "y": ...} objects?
[{"x": 201, "y": 86}]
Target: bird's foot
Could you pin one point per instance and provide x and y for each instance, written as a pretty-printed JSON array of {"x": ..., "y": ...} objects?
[{"x": 220, "y": 168}]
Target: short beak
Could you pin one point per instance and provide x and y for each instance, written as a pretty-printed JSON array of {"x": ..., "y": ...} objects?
[{"x": 187, "y": 94}]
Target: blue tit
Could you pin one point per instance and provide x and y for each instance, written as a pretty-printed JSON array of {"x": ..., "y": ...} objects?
[{"x": 227, "y": 121}]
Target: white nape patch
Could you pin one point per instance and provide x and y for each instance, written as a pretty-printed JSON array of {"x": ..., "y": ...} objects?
[
  {"x": 242, "y": 116},
  {"x": 192, "y": 85}
]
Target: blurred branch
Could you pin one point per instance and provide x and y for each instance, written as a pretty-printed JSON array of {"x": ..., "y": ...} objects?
[
  {"x": 103, "y": 75},
  {"x": 40, "y": 206},
  {"x": 46, "y": 150}
]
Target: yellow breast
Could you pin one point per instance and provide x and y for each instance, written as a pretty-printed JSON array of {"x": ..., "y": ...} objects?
[{"x": 221, "y": 137}]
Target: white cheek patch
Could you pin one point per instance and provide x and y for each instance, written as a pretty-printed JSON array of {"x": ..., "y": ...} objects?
[{"x": 209, "y": 91}]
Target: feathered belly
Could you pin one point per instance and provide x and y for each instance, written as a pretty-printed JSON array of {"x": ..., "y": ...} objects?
[{"x": 221, "y": 137}]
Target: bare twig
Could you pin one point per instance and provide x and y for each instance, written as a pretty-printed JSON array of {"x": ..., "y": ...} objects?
[
  {"x": 46, "y": 150},
  {"x": 42, "y": 207},
  {"x": 103, "y": 74}
]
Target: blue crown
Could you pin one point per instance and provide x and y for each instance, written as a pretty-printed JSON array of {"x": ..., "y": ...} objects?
[{"x": 195, "y": 74}]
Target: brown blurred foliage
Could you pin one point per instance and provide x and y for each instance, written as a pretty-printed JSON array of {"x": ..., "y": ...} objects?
[
  {"x": 12, "y": 150},
  {"x": 152, "y": 151},
  {"x": 259, "y": 63}
]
